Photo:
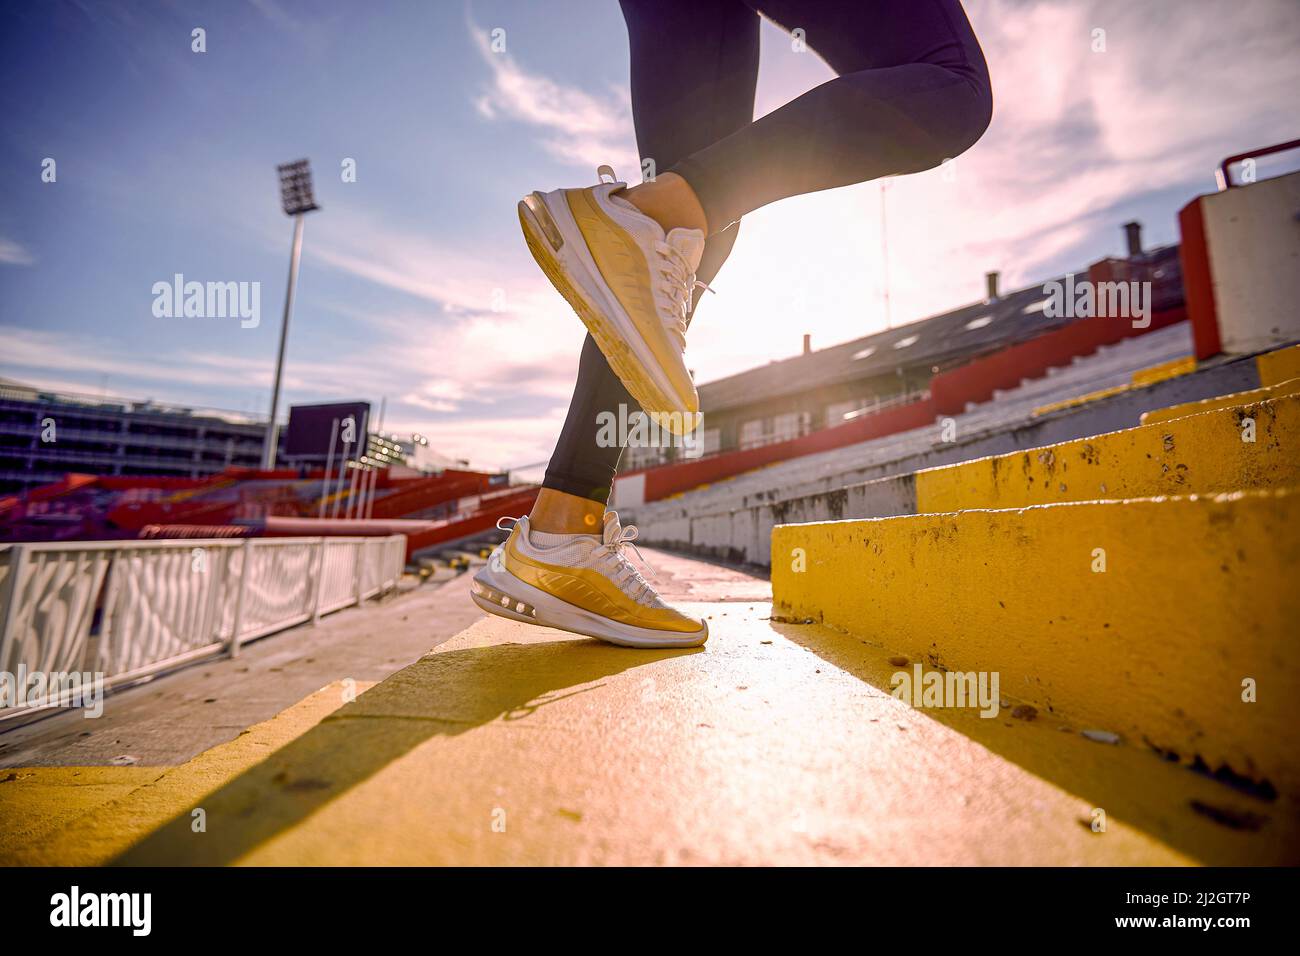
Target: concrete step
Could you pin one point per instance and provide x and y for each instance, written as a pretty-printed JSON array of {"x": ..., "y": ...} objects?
[
  {"x": 1144, "y": 618},
  {"x": 1200, "y": 454},
  {"x": 1279, "y": 365},
  {"x": 1281, "y": 389},
  {"x": 773, "y": 744},
  {"x": 85, "y": 816},
  {"x": 1142, "y": 378},
  {"x": 991, "y": 428},
  {"x": 1278, "y": 373},
  {"x": 1255, "y": 445}
]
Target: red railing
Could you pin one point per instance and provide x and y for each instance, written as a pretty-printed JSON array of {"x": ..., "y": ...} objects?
[{"x": 1223, "y": 174}]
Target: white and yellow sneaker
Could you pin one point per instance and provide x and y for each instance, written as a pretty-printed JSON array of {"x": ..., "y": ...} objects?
[
  {"x": 629, "y": 283},
  {"x": 582, "y": 583}
]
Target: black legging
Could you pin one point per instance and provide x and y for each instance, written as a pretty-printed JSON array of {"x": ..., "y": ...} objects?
[{"x": 912, "y": 90}]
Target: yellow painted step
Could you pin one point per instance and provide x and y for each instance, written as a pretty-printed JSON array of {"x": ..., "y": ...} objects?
[
  {"x": 1141, "y": 618},
  {"x": 1279, "y": 390},
  {"x": 1164, "y": 371},
  {"x": 1200, "y": 454},
  {"x": 1086, "y": 399},
  {"x": 36, "y": 802},
  {"x": 1140, "y": 379},
  {"x": 773, "y": 744},
  {"x": 84, "y": 816},
  {"x": 1280, "y": 365}
]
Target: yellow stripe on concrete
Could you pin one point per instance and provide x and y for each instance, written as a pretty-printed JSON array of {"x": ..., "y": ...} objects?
[
  {"x": 518, "y": 745},
  {"x": 1164, "y": 371},
  {"x": 1280, "y": 365},
  {"x": 83, "y": 816},
  {"x": 1078, "y": 400},
  {"x": 774, "y": 744},
  {"x": 1201, "y": 454},
  {"x": 1140, "y": 379},
  {"x": 1157, "y": 415},
  {"x": 1141, "y": 618},
  {"x": 36, "y": 802}
]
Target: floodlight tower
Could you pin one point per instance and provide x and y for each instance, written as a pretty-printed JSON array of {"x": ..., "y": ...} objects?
[{"x": 296, "y": 199}]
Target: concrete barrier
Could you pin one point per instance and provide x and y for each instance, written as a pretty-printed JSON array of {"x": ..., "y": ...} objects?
[
  {"x": 1170, "y": 622},
  {"x": 736, "y": 529}
]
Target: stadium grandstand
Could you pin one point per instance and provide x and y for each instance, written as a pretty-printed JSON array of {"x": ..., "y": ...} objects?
[
  {"x": 1099, "y": 508},
  {"x": 45, "y": 434}
]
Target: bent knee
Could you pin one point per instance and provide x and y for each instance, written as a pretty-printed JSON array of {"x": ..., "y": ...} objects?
[{"x": 972, "y": 115}]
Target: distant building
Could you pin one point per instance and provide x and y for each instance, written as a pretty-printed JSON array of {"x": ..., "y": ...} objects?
[
  {"x": 820, "y": 389},
  {"x": 419, "y": 455},
  {"x": 46, "y": 434}
]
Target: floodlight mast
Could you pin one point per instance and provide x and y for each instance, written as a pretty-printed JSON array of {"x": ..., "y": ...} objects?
[{"x": 296, "y": 199}]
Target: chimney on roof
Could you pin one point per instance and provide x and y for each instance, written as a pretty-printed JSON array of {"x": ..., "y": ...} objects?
[
  {"x": 991, "y": 285},
  {"x": 807, "y": 344},
  {"x": 1133, "y": 233}
]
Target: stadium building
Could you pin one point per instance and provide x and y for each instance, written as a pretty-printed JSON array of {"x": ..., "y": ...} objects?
[
  {"x": 791, "y": 398},
  {"x": 46, "y": 434}
]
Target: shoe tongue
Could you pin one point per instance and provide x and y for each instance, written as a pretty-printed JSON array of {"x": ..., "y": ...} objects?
[
  {"x": 690, "y": 243},
  {"x": 612, "y": 528}
]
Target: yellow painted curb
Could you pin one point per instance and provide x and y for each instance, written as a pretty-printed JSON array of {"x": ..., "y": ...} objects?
[
  {"x": 36, "y": 802},
  {"x": 518, "y": 745},
  {"x": 84, "y": 816},
  {"x": 1279, "y": 390},
  {"x": 1140, "y": 379},
  {"x": 1142, "y": 618},
  {"x": 1078, "y": 400},
  {"x": 1200, "y": 454},
  {"x": 773, "y": 744},
  {"x": 1164, "y": 371},
  {"x": 1280, "y": 365}
]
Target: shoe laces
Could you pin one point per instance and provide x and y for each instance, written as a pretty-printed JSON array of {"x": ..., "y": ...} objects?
[
  {"x": 623, "y": 572},
  {"x": 614, "y": 539},
  {"x": 679, "y": 288},
  {"x": 680, "y": 285}
]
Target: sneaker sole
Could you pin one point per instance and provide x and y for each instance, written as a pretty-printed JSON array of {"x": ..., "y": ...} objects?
[
  {"x": 503, "y": 594},
  {"x": 546, "y": 243}
]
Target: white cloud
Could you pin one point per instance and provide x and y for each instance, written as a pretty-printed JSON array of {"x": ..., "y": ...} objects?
[
  {"x": 12, "y": 254},
  {"x": 576, "y": 126},
  {"x": 491, "y": 318}
]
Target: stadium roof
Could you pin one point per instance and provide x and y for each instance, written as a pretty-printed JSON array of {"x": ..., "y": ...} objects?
[{"x": 940, "y": 340}]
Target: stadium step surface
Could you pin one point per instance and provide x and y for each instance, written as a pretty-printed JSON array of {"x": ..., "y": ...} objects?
[
  {"x": 1240, "y": 447},
  {"x": 1142, "y": 637},
  {"x": 1140, "y": 583},
  {"x": 1184, "y": 409},
  {"x": 774, "y": 744},
  {"x": 85, "y": 816}
]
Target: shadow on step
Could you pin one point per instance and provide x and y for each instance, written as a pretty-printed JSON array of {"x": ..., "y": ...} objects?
[
  {"x": 1188, "y": 811},
  {"x": 445, "y": 693}
]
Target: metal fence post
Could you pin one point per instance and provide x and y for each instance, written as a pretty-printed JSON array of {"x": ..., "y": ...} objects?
[
  {"x": 360, "y": 569},
  {"x": 108, "y": 620},
  {"x": 318, "y": 587},
  {"x": 246, "y": 567},
  {"x": 18, "y": 558}
]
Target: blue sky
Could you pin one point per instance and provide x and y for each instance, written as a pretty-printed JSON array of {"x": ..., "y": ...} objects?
[{"x": 415, "y": 284}]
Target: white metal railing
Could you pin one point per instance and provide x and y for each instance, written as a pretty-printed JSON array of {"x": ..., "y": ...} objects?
[{"x": 128, "y": 609}]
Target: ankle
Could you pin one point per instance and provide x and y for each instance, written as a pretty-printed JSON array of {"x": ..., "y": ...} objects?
[
  {"x": 557, "y": 512},
  {"x": 670, "y": 201}
]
